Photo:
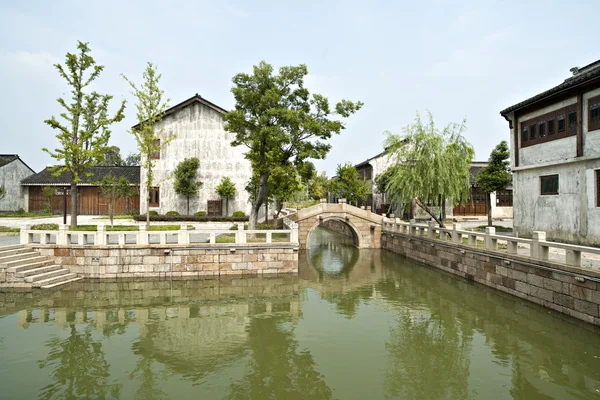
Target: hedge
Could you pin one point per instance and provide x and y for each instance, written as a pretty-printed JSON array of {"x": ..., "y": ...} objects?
[{"x": 190, "y": 218}]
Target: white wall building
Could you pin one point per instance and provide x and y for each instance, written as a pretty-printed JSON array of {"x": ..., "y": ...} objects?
[
  {"x": 12, "y": 171},
  {"x": 555, "y": 139},
  {"x": 197, "y": 126}
]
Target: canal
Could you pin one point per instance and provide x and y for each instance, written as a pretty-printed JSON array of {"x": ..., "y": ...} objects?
[{"x": 352, "y": 325}]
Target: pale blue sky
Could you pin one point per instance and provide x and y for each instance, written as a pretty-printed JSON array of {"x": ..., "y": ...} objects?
[{"x": 458, "y": 59}]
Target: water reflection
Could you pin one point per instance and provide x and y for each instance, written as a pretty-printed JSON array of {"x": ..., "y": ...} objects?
[{"x": 353, "y": 324}]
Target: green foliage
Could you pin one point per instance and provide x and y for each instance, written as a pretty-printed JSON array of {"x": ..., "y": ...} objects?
[
  {"x": 149, "y": 110},
  {"x": 132, "y": 160},
  {"x": 347, "y": 184},
  {"x": 114, "y": 189},
  {"x": 431, "y": 165},
  {"x": 6, "y": 229},
  {"x": 84, "y": 137},
  {"x": 280, "y": 123},
  {"x": 282, "y": 185},
  {"x": 189, "y": 218},
  {"x": 382, "y": 180},
  {"x": 200, "y": 214},
  {"x": 44, "y": 227},
  {"x": 496, "y": 175},
  {"x": 226, "y": 189},
  {"x": 153, "y": 212},
  {"x": 185, "y": 179},
  {"x": 172, "y": 213},
  {"x": 318, "y": 186},
  {"x": 238, "y": 214},
  {"x": 112, "y": 157},
  {"x": 2, "y": 192}
]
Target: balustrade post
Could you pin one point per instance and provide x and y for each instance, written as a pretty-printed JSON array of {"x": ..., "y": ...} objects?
[
  {"x": 574, "y": 258},
  {"x": 456, "y": 236},
  {"x": 431, "y": 229},
  {"x": 142, "y": 236},
  {"x": 513, "y": 246},
  {"x": 100, "y": 239},
  {"x": 240, "y": 237},
  {"x": 412, "y": 229},
  {"x": 490, "y": 243},
  {"x": 539, "y": 250},
  {"x": 294, "y": 234},
  {"x": 269, "y": 237},
  {"x": 24, "y": 234},
  {"x": 184, "y": 237},
  {"x": 61, "y": 236}
]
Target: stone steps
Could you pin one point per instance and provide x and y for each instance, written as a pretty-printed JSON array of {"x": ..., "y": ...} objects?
[{"x": 28, "y": 268}]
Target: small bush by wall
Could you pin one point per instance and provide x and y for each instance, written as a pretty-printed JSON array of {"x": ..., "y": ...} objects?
[
  {"x": 172, "y": 213},
  {"x": 200, "y": 214},
  {"x": 238, "y": 214},
  {"x": 190, "y": 218}
]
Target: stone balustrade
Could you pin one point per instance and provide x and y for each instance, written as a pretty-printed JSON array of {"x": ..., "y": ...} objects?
[
  {"x": 183, "y": 236},
  {"x": 537, "y": 248}
]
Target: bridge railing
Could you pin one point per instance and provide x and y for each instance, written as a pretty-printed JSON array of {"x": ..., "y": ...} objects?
[
  {"x": 537, "y": 248},
  {"x": 182, "y": 236}
]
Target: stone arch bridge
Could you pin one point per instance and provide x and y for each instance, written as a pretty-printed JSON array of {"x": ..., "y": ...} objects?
[{"x": 363, "y": 225}]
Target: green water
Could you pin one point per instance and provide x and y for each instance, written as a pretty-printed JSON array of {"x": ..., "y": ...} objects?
[{"x": 353, "y": 325}]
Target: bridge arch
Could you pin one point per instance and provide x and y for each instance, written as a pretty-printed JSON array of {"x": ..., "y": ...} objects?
[{"x": 356, "y": 235}]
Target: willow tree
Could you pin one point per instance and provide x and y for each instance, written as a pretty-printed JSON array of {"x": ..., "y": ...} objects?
[
  {"x": 84, "y": 135},
  {"x": 279, "y": 122},
  {"x": 496, "y": 175},
  {"x": 431, "y": 166},
  {"x": 150, "y": 139}
]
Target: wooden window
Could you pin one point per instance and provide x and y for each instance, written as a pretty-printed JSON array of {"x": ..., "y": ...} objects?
[
  {"x": 541, "y": 129},
  {"x": 551, "y": 127},
  {"x": 572, "y": 121},
  {"x": 532, "y": 132},
  {"x": 154, "y": 197},
  {"x": 561, "y": 123},
  {"x": 155, "y": 155},
  {"x": 594, "y": 113},
  {"x": 504, "y": 198},
  {"x": 549, "y": 184},
  {"x": 524, "y": 134}
]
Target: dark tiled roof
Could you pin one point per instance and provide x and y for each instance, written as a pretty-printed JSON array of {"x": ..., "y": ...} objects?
[
  {"x": 191, "y": 100},
  {"x": 581, "y": 76},
  {"x": 46, "y": 177},
  {"x": 7, "y": 158}
]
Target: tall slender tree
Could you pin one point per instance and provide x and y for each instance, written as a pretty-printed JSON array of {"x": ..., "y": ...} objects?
[
  {"x": 496, "y": 175},
  {"x": 114, "y": 189},
  {"x": 84, "y": 137},
  {"x": 279, "y": 122},
  {"x": 226, "y": 190},
  {"x": 430, "y": 165},
  {"x": 150, "y": 138},
  {"x": 186, "y": 183}
]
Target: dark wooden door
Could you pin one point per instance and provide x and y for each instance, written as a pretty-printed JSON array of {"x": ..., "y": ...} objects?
[{"x": 214, "y": 208}]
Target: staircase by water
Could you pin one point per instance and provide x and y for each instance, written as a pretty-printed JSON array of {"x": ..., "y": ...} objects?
[{"x": 26, "y": 267}]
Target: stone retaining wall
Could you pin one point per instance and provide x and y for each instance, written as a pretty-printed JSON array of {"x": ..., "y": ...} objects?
[
  {"x": 155, "y": 261},
  {"x": 545, "y": 283}
]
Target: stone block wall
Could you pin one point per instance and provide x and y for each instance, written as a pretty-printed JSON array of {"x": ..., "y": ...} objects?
[
  {"x": 338, "y": 227},
  {"x": 155, "y": 261},
  {"x": 544, "y": 283}
]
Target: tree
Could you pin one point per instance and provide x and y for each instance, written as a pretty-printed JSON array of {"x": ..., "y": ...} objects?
[
  {"x": 317, "y": 188},
  {"x": 283, "y": 183},
  {"x": 226, "y": 190},
  {"x": 496, "y": 175},
  {"x": 48, "y": 192},
  {"x": 185, "y": 179},
  {"x": 431, "y": 166},
  {"x": 279, "y": 122},
  {"x": 150, "y": 140},
  {"x": 112, "y": 157},
  {"x": 132, "y": 159},
  {"x": 114, "y": 189},
  {"x": 84, "y": 137},
  {"x": 347, "y": 184}
]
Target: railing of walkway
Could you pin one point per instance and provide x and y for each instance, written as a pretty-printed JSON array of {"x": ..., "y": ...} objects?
[
  {"x": 536, "y": 248},
  {"x": 183, "y": 236}
]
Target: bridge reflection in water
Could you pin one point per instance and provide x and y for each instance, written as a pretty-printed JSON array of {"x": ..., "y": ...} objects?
[{"x": 353, "y": 324}]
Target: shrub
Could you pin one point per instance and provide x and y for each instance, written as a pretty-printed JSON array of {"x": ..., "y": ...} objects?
[
  {"x": 189, "y": 218},
  {"x": 20, "y": 211},
  {"x": 172, "y": 213},
  {"x": 200, "y": 214},
  {"x": 153, "y": 212},
  {"x": 44, "y": 227},
  {"x": 238, "y": 214}
]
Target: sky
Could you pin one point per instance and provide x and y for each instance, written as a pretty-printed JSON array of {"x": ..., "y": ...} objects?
[{"x": 467, "y": 59}]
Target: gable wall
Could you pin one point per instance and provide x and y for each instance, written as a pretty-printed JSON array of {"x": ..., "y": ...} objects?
[{"x": 11, "y": 175}]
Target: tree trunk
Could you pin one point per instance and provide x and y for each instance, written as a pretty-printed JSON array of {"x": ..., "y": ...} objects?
[
  {"x": 428, "y": 211},
  {"x": 443, "y": 209},
  {"x": 489, "y": 208},
  {"x": 74, "y": 209},
  {"x": 260, "y": 199},
  {"x": 227, "y": 206},
  {"x": 188, "y": 205},
  {"x": 267, "y": 211},
  {"x": 111, "y": 212}
]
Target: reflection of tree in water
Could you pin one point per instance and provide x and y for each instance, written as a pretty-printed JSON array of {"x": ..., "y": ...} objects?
[
  {"x": 148, "y": 384},
  {"x": 276, "y": 370},
  {"x": 333, "y": 259},
  {"x": 79, "y": 368}
]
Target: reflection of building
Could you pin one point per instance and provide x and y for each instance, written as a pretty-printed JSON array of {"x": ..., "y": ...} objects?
[{"x": 555, "y": 157}]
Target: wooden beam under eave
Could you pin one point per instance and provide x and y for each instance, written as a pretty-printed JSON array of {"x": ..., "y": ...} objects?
[{"x": 579, "y": 124}]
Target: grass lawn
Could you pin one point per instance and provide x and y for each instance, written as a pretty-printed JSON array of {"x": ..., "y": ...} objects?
[
  {"x": 7, "y": 229},
  {"x": 27, "y": 215},
  {"x": 120, "y": 216}
]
